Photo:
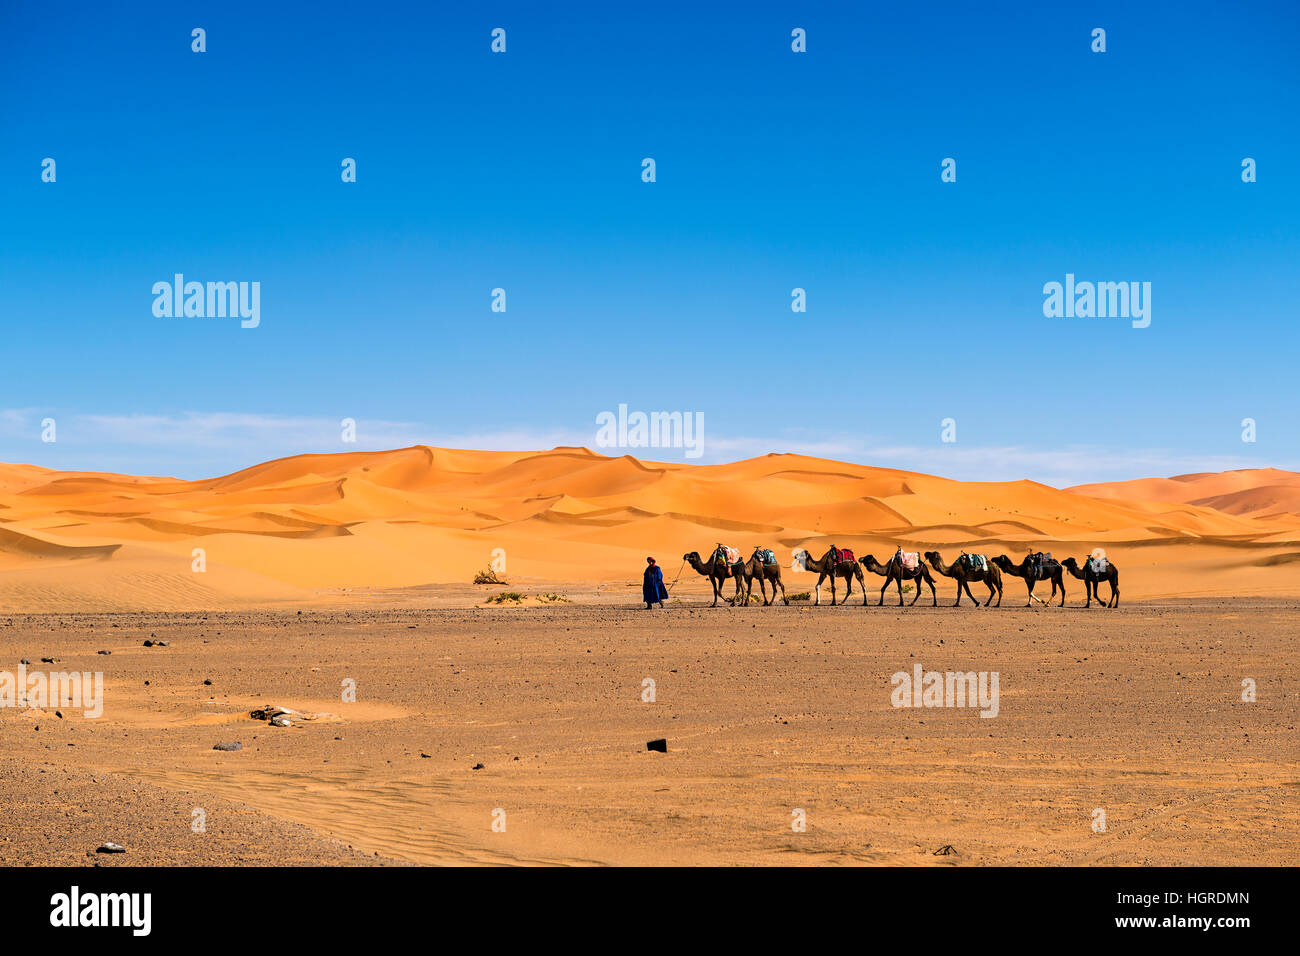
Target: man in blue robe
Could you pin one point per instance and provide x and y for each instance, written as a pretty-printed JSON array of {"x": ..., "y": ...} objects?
[{"x": 652, "y": 586}]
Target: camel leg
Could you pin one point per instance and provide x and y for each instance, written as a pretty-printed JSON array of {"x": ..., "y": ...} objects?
[
  {"x": 883, "y": 588},
  {"x": 973, "y": 599},
  {"x": 713, "y": 580},
  {"x": 817, "y": 589},
  {"x": 934, "y": 595},
  {"x": 917, "y": 581},
  {"x": 991, "y": 590},
  {"x": 957, "y": 603},
  {"x": 1030, "y": 584},
  {"x": 1061, "y": 575},
  {"x": 898, "y": 581},
  {"x": 779, "y": 583}
]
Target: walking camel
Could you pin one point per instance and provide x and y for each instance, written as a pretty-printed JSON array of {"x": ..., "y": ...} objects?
[
  {"x": 1093, "y": 578},
  {"x": 826, "y": 567},
  {"x": 963, "y": 572},
  {"x": 717, "y": 572},
  {"x": 894, "y": 572},
  {"x": 756, "y": 568},
  {"x": 1031, "y": 571}
]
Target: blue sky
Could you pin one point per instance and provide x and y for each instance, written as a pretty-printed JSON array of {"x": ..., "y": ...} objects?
[{"x": 775, "y": 170}]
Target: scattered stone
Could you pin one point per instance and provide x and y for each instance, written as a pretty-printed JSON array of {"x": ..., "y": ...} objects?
[
  {"x": 207, "y": 683},
  {"x": 148, "y": 643},
  {"x": 945, "y": 850},
  {"x": 25, "y": 662},
  {"x": 661, "y": 745},
  {"x": 228, "y": 745},
  {"x": 49, "y": 660},
  {"x": 58, "y": 714},
  {"x": 280, "y": 721},
  {"x": 105, "y": 653},
  {"x": 111, "y": 848},
  {"x": 477, "y": 766}
]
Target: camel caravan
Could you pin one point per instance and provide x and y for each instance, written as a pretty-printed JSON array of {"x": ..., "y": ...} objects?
[{"x": 727, "y": 563}]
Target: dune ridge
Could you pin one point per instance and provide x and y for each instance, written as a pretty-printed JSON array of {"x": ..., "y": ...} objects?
[{"x": 325, "y": 526}]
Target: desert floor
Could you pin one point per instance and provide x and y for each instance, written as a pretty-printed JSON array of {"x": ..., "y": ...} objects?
[{"x": 1136, "y": 711}]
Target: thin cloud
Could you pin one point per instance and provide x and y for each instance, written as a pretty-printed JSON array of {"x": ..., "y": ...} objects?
[{"x": 202, "y": 444}]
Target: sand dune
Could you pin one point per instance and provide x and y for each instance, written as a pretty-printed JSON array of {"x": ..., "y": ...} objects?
[{"x": 328, "y": 526}]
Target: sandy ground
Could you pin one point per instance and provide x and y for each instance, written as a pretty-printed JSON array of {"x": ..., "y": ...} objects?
[{"x": 766, "y": 711}]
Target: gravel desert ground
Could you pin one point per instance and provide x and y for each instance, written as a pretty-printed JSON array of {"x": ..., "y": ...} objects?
[{"x": 770, "y": 716}]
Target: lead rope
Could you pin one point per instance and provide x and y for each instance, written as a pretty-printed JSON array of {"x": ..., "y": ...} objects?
[{"x": 679, "y": 574}]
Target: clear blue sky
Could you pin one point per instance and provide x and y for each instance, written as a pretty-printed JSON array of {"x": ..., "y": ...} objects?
[{"x": 775, "y": 170}]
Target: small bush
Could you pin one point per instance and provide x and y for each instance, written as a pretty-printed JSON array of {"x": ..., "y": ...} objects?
[
  {"x": 488, "y": 576},
  {"x": 801, "y": 596},
  {"x": 504, "y": 596}
]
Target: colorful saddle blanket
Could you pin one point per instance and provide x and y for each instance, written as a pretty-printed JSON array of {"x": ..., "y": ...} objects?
[
  {"x": 725, "y": 555},
  {"x": 1040, "y": 560},
  {"x": 765, "y": 556},
  {"x": 975, "y": 562},
  {"x": 1098, "y": 565},
  {"x": 845, "y": 556},
  {"x": 909, "y": 559}
]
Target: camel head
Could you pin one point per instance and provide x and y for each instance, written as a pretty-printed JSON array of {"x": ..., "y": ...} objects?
[
  {"x": 1070, "y": 563},
  {"x": 868, "y": 561},
  {"x": 931, "y": 556},
  {"x": 693, "y": 557},
  {"x": 1005, "y": 563}
]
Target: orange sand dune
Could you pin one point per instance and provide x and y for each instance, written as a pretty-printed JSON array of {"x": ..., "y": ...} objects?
[{"x": 331, "y": 527}]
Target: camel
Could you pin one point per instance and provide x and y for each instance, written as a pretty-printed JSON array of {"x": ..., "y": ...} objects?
[
  {"x": 1091, "y": 579},
  {"x": 717, "y": 572},
  {"x": 1047, "y": 571},
  {"x": 990, "y": 574},
  {"x": 847, "y": 570},
  {"x": 894, "y": 572},
  {"x": 764, "y": 572}
]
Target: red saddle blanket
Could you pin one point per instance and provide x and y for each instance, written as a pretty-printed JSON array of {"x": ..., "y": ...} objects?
[{"x": 846, "y": 556}]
